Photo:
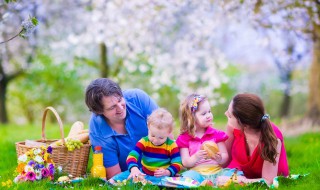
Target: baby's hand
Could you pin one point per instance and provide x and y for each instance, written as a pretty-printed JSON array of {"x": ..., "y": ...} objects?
[
  {"x": 162, "y": 172},
  {"x": 201, "y": 154},
  {"x": 135, "y": 172}
]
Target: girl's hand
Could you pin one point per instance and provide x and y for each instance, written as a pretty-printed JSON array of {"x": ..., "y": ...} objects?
[
  {"x": 217, "y": 157},
  {"x": 201, "y": 154},
  {"x": 135, "y": 172},
  {"x": 162, "y": 172}
]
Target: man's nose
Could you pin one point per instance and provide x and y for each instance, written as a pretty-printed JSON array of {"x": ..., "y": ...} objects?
[{"x": 119, "y": 106}]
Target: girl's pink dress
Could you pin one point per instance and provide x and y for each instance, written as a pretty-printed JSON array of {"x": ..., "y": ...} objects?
[
  {"x": 203, "y": 166},
  {"x": 252, "y": 165}
]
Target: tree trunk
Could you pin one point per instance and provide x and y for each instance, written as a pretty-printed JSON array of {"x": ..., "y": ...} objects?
[
  {"x": 3, "y": 93},
  {"x": 286, "y": 100},
  {"x": 285, "y": 106},
  {"x": 104, "y": 65},
  {"x": 314, "y": 81}
]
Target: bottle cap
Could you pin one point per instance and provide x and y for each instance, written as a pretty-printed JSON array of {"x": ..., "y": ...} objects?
[{"x": 97, "y": 148}]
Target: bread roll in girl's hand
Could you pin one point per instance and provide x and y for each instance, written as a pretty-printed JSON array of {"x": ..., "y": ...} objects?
[{"x": 211, "y": 148}]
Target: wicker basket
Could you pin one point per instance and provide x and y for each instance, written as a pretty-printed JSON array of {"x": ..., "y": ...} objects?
[{"x": 74, "y": 163}]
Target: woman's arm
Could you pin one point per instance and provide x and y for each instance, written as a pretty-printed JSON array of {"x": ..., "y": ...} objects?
[
  {"x": 113, "y": 170},
  {"x": 270, "y": 170},
  {"x": 189, "y": 161},
  {"x": 223, "y": 155},
  {"x": 228, "y": 144}
]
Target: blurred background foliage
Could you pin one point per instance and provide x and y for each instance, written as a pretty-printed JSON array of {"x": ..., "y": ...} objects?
[{"x": 169, "y": 49}]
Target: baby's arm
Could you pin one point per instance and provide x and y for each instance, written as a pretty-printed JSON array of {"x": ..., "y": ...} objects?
[
  {"x": 175, "y": 163},
  {"x": 189, "y": 161},
  {"x": 132, "y": 159}
]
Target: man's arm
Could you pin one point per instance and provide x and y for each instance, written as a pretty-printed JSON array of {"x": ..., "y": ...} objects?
[{"x": 113, "y": 170}]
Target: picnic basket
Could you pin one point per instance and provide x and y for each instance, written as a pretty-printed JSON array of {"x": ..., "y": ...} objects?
[{"x": 73, "y": 162}]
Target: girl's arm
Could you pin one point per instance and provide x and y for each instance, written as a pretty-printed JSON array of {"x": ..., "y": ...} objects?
[
  {"x": 228, "y": 144},
  {"x": 189, "y": 161}
]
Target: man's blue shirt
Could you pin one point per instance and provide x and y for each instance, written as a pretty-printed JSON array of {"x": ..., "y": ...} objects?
[{"x": 116, "y": 147}]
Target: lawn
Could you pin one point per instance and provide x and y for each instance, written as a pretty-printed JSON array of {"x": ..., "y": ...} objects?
[{"x": 303, "y": 154}]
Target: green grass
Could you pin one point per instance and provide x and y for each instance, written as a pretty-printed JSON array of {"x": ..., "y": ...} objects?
[{"x": 303, "y": 154}]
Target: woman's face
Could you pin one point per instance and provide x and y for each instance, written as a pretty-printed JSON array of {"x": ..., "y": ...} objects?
[{"x": 232, "y": 121}]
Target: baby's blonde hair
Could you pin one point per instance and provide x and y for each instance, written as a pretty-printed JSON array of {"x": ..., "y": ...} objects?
[
  {"x": 161, "y": 119},
  {"x": 187, "y": 116}
]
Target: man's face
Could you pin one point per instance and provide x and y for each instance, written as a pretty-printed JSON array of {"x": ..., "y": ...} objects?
[{"x": 114, "y": 108}]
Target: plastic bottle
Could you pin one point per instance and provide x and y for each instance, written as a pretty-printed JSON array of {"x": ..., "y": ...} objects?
[{"x": 98, "y": 170}]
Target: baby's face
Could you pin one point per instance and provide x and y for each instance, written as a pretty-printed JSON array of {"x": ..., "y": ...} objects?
[{"x": 158, "y": 136}]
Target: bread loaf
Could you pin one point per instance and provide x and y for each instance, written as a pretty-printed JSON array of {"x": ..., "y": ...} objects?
[
  {"x": 77, "y": 132},
  {"x": 76, "y": 128},
  {"x": 211, "y": 148}
]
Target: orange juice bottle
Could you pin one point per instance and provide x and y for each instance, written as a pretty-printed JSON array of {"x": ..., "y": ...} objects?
[{"x": 98, "y": 170}]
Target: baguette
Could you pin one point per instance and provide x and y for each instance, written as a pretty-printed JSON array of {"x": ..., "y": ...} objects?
[
  {"x": 84, "y": 138},
  {"x": 77, "y": 132},
  {"x": 76, "y": 128}
]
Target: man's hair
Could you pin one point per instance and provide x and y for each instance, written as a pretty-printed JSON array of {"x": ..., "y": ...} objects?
[{"x": 99, "y": 88}]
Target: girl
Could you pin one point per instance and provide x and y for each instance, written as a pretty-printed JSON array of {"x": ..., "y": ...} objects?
[
  {"x": 196, "y": 128},
  {"x": 255, "y": 144}
]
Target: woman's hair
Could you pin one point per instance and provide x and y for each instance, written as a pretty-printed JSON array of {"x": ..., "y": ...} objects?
[
  {"x": 249, "y": 111},
  {"x": 187, "y": 113},
  {"x": 98, "y": 89},
  {"x": 161, "y": 119}
]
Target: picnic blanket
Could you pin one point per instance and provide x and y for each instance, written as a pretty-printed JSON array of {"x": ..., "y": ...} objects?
[{"x": 186, "y": 182}]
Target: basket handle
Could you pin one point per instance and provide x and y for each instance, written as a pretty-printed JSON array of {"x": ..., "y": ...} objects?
[{"x": 58, "y": 119}]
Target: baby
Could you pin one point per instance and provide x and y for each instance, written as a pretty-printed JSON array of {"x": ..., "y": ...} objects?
[{"x": 159, "y": 154}]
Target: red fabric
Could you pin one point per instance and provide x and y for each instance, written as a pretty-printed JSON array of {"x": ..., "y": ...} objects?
[{"x": 252, "y": 165}]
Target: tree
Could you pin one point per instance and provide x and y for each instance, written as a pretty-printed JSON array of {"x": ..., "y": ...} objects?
[
  {"x": 10, "y": 66},
  {"x": 300, "y": 16},
  {"x": 286, "y": 54}
]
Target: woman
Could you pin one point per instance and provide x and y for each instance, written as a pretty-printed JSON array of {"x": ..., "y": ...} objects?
[{"x": 255, "y": 145}]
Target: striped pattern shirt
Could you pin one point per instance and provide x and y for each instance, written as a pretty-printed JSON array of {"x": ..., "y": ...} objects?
[{"x": 166, "y": 156}]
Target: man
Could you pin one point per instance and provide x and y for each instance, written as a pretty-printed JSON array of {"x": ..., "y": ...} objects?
[{"x": 118, "y": 121}]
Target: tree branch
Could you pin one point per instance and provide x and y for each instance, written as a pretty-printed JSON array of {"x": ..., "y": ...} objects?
[{"x": 12, "y": 37}]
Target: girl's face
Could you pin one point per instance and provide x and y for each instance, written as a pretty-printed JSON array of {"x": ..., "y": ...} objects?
[
  {"x": 203, "y": 116},
  {"x": 232, "y": 121}
]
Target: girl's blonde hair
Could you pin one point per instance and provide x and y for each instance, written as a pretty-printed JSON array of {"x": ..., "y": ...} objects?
[
  {"x": 161, "y": 119},
  {"x": 187, "y": 113}
]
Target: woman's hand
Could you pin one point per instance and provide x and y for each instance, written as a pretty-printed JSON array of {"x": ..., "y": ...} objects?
[
  {"x": 135, "y": 172},
  {"x": 162, "y": 172},
  {"x": 226, "y": 180}
]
